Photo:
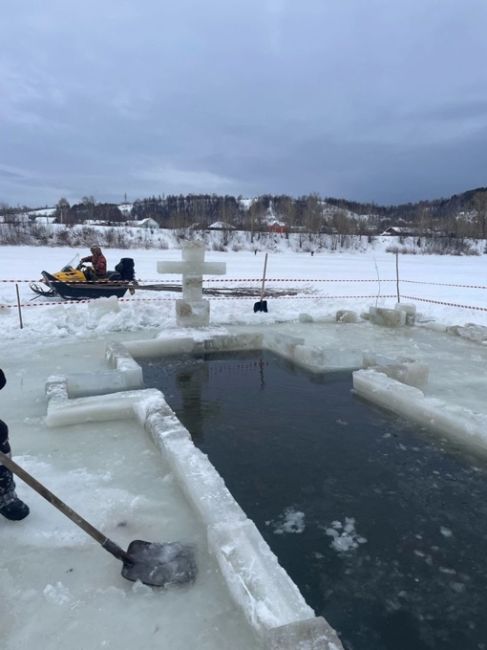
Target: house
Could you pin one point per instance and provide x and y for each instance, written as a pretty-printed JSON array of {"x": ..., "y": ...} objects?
[
  {"x": 148, "y": 222},
  {"x": 125, "y": 209},
  {"x": 43, "y": 215},
  {"x": 398, "y": 231},
  {"x": 44, "y": 220},
  {"x": 221, "y": 225},
  {"x": 277, "y": 226}
]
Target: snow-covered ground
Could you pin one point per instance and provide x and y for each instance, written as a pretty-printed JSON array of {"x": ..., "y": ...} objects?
[
  {"x": 325, "y": 282},
  {"x": 64, "y": 591}
]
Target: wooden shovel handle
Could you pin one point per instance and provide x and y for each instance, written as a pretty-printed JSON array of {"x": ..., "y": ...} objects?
[{"x": 107, "y": 544}]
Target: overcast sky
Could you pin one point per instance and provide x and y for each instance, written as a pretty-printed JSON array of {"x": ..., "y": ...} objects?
[{"x": 377, "y": 100}]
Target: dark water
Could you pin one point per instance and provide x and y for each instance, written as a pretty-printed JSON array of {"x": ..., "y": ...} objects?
[{"x": 300, "y": 451}]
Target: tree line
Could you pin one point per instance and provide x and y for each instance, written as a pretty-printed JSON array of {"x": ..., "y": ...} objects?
[{"x": 462, "y": 215}]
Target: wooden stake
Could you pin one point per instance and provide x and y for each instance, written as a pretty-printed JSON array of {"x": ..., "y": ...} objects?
[
  {"x": 18, "y": 306},
  {"x": 397, "y": 277},
  {"x": 263, "y": 279}
]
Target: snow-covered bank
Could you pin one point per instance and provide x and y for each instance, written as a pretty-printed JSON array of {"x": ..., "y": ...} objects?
[{"x": 324, "y": 282}]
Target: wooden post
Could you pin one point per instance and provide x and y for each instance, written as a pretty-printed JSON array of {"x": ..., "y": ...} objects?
[
  {"x": 18, "y": 306},
  {"x": 397, "y": 277},
  {"x": 263, "y": 279}
]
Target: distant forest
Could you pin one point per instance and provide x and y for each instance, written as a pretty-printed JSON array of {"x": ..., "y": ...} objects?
[{"x": 461, "y": 215}]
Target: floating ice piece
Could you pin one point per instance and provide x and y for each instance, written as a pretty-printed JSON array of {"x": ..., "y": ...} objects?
[
  {"x": 292, "y": 521},
  {"x": 455, "y": 421},
  {"x": 344, "y": 536}
]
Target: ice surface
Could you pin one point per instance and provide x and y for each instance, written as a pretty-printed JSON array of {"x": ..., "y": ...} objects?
[
  {"x": 408, "y": 371},
  {"x": 117, "y": 406},
  {"x": 460, "y": 423},
  {"x": 69, "y": 592},
  {"x": 203, "y": 486}
]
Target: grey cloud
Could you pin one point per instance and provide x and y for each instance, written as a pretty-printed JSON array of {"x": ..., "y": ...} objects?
[{"x": 363, "y": 100}]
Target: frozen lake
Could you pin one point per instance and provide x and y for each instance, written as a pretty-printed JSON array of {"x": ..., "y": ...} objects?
[{"x": 63, "y": 589}]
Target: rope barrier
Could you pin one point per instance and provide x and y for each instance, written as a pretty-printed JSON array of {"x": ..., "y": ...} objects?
[
  {"x": 249, "y": 298},
  {"x": 288, "y": 280},
  {"x": 446, "y": 284},
  {"x": 233, "y": 280},
  {"x": 448, "y": 304},
  {"x": 252, "y": 298},
  {"x": 229, "y": 280}
]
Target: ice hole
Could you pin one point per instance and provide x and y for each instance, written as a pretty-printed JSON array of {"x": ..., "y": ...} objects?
[{"x": 352, "y": 499}]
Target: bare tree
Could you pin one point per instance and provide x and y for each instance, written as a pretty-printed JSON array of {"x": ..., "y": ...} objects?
[{"x": 480, "y": 205}]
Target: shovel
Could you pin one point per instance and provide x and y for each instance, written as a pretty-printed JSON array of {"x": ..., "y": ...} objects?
[
  {"x": 262, "y": 304},
  {"x": 157, "y": 565}
]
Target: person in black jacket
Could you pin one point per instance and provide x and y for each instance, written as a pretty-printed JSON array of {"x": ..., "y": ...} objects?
[{"x": 11, "y": 506}]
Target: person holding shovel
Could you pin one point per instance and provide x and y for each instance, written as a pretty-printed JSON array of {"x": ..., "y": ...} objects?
[{"x": 11, "y": 506}]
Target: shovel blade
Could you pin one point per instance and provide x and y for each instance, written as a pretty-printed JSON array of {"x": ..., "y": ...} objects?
[
  {"x": 160, "y": 565},
  {"x": 260, "y": 306}
]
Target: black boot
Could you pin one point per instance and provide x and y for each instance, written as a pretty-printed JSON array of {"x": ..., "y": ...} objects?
[
  {"x": 11, "y": 506},
  {"x": 15, "y": 510}
]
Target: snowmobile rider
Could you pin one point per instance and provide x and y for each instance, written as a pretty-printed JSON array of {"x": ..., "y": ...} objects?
[
  {"x": 11, "y": 506},
  {"x": 98, "y": 262}
]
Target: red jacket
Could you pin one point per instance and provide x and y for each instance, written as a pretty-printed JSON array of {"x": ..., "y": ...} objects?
[{"x": 99, "y": 263}]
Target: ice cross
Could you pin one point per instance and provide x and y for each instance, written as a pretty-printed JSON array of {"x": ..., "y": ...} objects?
[{"x": 192, "y": 310}]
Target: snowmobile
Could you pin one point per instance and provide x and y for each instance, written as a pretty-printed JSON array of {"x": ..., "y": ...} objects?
[{"x": 75, "y": 284}]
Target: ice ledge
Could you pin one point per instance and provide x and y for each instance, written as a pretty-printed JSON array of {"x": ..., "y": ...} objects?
[
  {"x": 261, "y": 588},
  {"x": 457, "y": 422}
]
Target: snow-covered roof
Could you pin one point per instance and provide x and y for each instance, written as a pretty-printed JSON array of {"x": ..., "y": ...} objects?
[
  {"x": 125, "y": 208},
  {"x": 141, "y": 223},
  {"x": 221, "y": 225},
  {"x": 396, "y": 230},
  {"x": 42, "y": 212},
  {"x": 41, "y": 218},
  {"x": 246, "y": 203},
  {"x": 275, "y": 222}
]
